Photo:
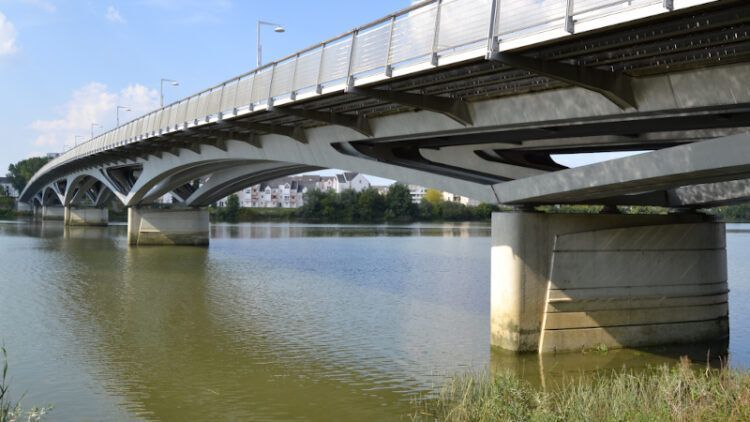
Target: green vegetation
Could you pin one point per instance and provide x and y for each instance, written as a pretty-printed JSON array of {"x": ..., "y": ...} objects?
[
  {"x": 12, "y": 411},
  {"x": 678, "y": 393},
  {"x": 7, "y": 208},
  {"x": 20, "y": 172},
  {"x": 368, "y": 206},
  {"x": 733, "y": 213}
]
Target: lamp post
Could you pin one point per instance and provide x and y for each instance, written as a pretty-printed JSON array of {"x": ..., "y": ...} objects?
[
  {"x": 92, "y": 129},
  {"x": 119, "y": 107},
  {"x": 277, "y": 28},
  {"x": 161, "y": 89}
]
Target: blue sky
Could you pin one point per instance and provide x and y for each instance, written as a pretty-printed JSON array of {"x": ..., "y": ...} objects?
[{"x": 65, "y": 64}]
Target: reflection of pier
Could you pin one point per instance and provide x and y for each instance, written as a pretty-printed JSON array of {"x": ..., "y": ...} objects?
[
  {"x": 287, "y": 230},
  {"x": 476, "y": 97}
]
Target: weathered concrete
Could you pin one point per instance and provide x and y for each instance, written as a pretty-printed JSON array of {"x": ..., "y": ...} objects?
[
  {"x": 53, "y": 213},
  {"x": 565, "y": 282},
  {"x": 86, "y": 216},
  {"x": 148, "y": 226}
]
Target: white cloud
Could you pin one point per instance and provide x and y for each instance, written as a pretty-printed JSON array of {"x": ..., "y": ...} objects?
[
  {"x": 8, "y": 36},
  {"x": 43, "y": 5},
  {"x": 113, "y": 15},
  {"x": 93, "y": 103}
]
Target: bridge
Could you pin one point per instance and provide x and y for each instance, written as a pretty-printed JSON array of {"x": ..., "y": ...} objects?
[{"x": 475, "y": 97}]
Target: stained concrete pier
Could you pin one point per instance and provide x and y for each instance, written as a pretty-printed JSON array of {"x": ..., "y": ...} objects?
[
  {"x": 563, "y": 282},
  {"x": 183, "y": 226}
]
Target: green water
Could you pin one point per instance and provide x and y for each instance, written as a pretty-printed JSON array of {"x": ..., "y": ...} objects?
[{"x": 271, "y": 322}]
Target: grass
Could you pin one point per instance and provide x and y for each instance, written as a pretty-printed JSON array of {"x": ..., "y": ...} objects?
[
  {"x": 664, "y": 393},
  {"x": 11, "y": 411}
]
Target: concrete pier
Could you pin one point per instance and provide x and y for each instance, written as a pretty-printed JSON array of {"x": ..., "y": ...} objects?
[
  {"x": 147, "y": 226},
  {"x": 86, "y": 216},
  {"x": 53, "y": 213},
  {"x": 563, "y": 282}
]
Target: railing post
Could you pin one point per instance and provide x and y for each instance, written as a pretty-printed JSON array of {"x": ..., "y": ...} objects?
[
  {"x": 251, "y": 106},
  {"x": 349, "y": 77},
  {"x": 436, "y": 35},
  {"x": 236, "y": 92},
  {"x": 318, "y": 87},
  {"x": 220, "y": 114},
  {"x": 569, "y": 25},
  {"x": 492, "y": 46},
  {"x": 668, "y": 4},
  {"x": 388, "y": 71},
  {"x": 269, "y": 99},
  {"x": 292, "y": 84}
]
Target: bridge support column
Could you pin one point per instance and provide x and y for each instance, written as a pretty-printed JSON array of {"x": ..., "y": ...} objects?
[
  {"x": 147, "y": 226},
  {"x": 86, "y": 216},
  {"x": 53, "y": 213},
  {"x": 562, "y": 282}
]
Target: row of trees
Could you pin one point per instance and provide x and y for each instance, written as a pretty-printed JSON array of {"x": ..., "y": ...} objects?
[{"x": 395, "y": 206}]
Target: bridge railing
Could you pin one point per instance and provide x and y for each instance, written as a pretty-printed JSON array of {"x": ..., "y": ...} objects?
[{"x": 427, "y": 34}]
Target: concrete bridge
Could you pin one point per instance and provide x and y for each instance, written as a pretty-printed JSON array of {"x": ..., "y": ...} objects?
[{"x": 474, "y": 97}]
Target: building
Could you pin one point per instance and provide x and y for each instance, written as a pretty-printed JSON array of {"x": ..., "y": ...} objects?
[
  {"x": 289, "y": 192},
  {"x": 418, "y": 192},
  {"x": 6, "y": 188}
]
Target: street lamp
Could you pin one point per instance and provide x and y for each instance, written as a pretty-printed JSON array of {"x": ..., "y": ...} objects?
[
  {"x": 161, "y": 89},
  {"x": 277, "y": 28},
  {"x": 92, "y": 129},
  {"x": 119, "y": 107}
]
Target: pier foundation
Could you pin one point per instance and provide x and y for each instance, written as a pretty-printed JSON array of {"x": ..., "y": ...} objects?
[
  {"x": 185, "y": 226},
  {"x": 53, "y": 213},
  {"x": 86, "y": 216},
  {"x": 563, "y": 282}
]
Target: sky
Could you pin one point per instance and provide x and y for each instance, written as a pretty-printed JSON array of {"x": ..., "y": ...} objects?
[{"x": 65, "y": 64}]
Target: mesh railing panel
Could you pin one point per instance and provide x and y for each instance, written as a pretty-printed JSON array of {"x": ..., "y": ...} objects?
[
  {"x": 308, "y": 65},
  {"x": 213, "y": 103},
  {"x": 413, "y": 34},
  {"x": 260, "y": 85},
  {"x": 282, "y": 78},
  {"x": 244, "y": 91},
  {"x": 335, "y": 60},
  {"x": 371, "y": 48},
  {"x": 523, "y": 16},
  {"x": 463, "y": 22},
  {"x": 229, "y": 96}
]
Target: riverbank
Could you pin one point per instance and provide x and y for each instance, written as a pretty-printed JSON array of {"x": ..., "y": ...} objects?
[{"x": 680, "y": 392}]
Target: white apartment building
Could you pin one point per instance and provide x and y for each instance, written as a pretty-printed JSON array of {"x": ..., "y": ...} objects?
[
  {"x": 288, "y": 192},
  {"x": 7, "y": 187}
]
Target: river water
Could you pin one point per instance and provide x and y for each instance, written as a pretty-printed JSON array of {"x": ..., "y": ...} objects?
[{"x": 271, "y": 322}]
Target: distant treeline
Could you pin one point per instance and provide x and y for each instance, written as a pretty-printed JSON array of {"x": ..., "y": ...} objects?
[{"x": 367, "y": 206}]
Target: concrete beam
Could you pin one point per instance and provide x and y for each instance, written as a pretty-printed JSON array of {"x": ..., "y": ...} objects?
[
  {"x": 358, "y": 123},
  {"x": 454, "y": 108},
  {"x": 616, "y": 86},
  {"x": 297, "y": 133},
  {"x": 709, "y": 161}
]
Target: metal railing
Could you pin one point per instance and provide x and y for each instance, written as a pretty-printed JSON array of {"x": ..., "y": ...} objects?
[{"x": 429, "y": 33}]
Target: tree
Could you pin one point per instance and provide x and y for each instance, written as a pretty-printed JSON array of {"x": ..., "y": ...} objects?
[
  {"x": 233, "y": 208},
  {"x": 433, "y": 196},
  {"x": 370, "y": 205},
  {"x": 20, "y": 172},
  {"x": 399, "y": 206}
]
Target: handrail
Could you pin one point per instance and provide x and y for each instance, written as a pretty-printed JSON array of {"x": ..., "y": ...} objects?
[{"x": 429, "y": 32}]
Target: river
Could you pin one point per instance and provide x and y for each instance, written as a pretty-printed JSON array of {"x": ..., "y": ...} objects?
[{"x": 271, "y": 322}]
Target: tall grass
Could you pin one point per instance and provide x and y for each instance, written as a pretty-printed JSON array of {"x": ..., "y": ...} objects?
[
  {"x": 664, "y": 393},
  {"x": 11, "y": 411}
]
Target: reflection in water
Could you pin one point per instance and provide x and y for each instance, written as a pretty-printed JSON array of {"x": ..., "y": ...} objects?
[{"x": 272, "y": 321}]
